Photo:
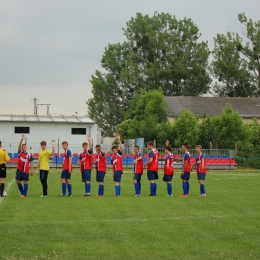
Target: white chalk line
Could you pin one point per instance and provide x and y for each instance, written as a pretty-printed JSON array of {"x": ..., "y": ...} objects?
[{"x": 7, "y": 189}]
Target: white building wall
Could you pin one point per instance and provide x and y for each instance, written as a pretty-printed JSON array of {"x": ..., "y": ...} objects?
[{"x": 40, "y": 131}]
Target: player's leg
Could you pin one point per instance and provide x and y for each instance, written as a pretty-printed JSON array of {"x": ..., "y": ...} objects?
[
  {"x": 18, "y": 179},
  {"x": 117, "y": 180},
  {"x": 185, "y": 185},
  {"x": 201, "y": 178},
  {"x": 63, "y": 183},
  {"x": 137, "y": 184},
  {"x": 2, "y": 176},
  {"x": 167, "y": 179},
  {"x": 151, "y": 178},
  {"x": 43, "y": 178},
  {"x": 87, "y": 182},
  {"x": 100, "y": 179},
  {"x": 2, "y": 187},
  {"x": 69, "y": 186}
]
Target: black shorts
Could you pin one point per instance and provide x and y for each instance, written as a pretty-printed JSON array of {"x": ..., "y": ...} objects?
[
  {"x": 44, "y": 174},
  {"x": 2, "y": 171}
]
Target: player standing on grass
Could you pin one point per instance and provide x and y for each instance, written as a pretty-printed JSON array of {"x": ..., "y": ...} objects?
[
  {"x": 43, "y": 166},
  {"x": 186, "y": 169},
  {"x": 85, "y": 163},
  {"x": 24, "y": 166},
  {"x": 66, "y": 171},
  {"x": 201, "y": 169},
  {"x": 138, "y": 170},
  {"x": 4, "y": 158},
  {"x": 152, "y": 167},
  {"x": 101, "y": 169},
  {"x": 117, "y": 165},
  {"x": 168, "y": 168}
]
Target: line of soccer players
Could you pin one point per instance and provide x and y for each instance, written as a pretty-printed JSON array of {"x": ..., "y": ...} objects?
[{"x": 25, "y": 167}]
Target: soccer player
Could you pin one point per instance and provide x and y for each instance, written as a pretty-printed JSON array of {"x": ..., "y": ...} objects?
[
  {"x": 201, "y": 169},
  {"x": 24, "y": 166},
  {"x": 186, "y": 169},
  {"x": 168, "y": 169},
  {"x": 152, "y": 167},
  {"x": 4, "y": 158},
  {"x": 101, "y": 169},
  {"x": 138, "y": 170},
  {"x": 66, "y": 171},
  {"x": 43, "y": 166},
  {"x": 85, "y": 163},
  {"x": 116, "y": 161}
]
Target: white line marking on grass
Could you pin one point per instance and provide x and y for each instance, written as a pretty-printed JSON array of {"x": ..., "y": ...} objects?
[{"x": 7, "y": 189}]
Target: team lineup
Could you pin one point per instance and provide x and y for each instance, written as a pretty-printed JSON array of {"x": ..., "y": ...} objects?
[{"x": 25, "y": 168}]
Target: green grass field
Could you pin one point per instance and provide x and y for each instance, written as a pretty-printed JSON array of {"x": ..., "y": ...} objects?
[{"x": 223, "y": 225}]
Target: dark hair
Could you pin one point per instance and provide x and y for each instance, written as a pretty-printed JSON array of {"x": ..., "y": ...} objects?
[
  {"x": 186, "y": 145},
  {"x": 65, "y": 142},
  {"x": 43, "y": 143},
  {"x": 98, "y": 146},
  {"x": 168, "y": 147},
  {"x": 136, "y": 146},
  {"x": 85, "y": 143},
  {"x": 113, "y": 147},
  {"x": 150, "y": 143}
]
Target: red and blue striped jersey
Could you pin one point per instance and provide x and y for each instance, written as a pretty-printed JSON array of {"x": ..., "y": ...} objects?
[
  {"x": 170, "y": 170},
  {"x": 138, "y": 167},
  {"x": 153, "y": 166},
  {"x": 187, "y": 158},
  {"x": 24, "y": 161},
  {"x": 116, "y": 161},
  {"x": 199, "y": 163},
  {"x": 101, "y": 165},
  {"x": 86, "y": 160},
  {"x": 66, "y": 160}
]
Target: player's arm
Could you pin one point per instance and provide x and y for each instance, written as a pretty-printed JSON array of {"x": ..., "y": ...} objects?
[
  {"x": 20, "y": 143},
  {"x": 184, "y": 166},
  {"x": 102, "y": 152},
  {"x": 150, "y": 160},
  {"x": 52, "y": 147},
  {"x": 90, "y": 143},
  {"x": 7, "y": 158},
  {"x": 202, "y": 163},
  {"x": 79, "y": 161},
  {"x": 31, "y": 166},
  {"x": 70, "y": 164},
  {"x": 120, "y": 143}
]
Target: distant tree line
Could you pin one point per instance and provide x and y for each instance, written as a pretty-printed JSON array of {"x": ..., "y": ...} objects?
[{"x": 165, "y": 54}]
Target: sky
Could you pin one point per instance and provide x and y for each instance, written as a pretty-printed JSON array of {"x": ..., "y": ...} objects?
[{"x": 50, "y": 48}]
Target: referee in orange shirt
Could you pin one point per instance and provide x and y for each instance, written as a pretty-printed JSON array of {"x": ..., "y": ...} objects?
[{"x": 4, "y": 158}]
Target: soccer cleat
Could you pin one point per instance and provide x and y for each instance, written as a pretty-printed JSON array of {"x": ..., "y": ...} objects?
[
  {"x": 62, "y": 195},
  {"x": 184, "y": 195},
  {"x": 136, "y": 195},
  {"x": 100, "y": 195},
  {"x": 116, "y": 195},
  {"x": 43, "y": 196},
  {"x": 87, "y": 195},
  {"x": 22, "y": 196},
  {"x": 203, "y": 195},
  {"x": 169, "y": 195},
  {"x": 69, "y": 195}
]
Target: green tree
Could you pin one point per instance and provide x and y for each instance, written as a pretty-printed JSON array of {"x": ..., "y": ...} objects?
[
  {"x": 236, "y": 65},
  {"x": 187, "y": 129},
  {"x": 230, "y": 128},
  {"x": 159, "y": 51}
]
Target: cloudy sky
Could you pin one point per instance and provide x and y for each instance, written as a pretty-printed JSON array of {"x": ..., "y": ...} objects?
[{"x": 50, "y": 48}]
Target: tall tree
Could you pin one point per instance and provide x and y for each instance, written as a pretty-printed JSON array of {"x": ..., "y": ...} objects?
[
  {"x": 236, "y": 66},
  {"x": 159, "y": 51}
]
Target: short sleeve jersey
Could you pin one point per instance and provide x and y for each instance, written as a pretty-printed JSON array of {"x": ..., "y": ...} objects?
[
  {"x": 199, "y": 163},
  {"x": 138, "y": 167},
  {"x": 170, "y": 170},
  {"x": 44, "y": 157},
  {"x": 86, "y": 160},
  {"x": 4, "y": 157},
  {"x": 187, "y": 158},
  {"x": 153, "y": 166},
  {"x": 116, "y": 161},
  {"x": 66, "y": 159},
  {"x": 101, "y": 163},
  {"x": 24, "y": 161}
]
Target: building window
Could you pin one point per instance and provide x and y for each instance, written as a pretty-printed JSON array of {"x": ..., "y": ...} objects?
[
  {"x": 21, "y": 130},
  {"x": 78, "y": 131}
]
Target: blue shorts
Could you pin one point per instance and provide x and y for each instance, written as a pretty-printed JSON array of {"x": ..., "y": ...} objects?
[
  {"x": 185, "y": 176},
  {"x": 21, "y": 176},
  {"x": 65, "y": 175},
  {"x": 137, "y": 176},
  {"x": 167, "y": 178},
  {"x": 201, "y": 176},
  {"x": 86, "y": 175},
  {"x": 117, "y": 176},
  {"x": 151, "y": 175},
  {"x": 100, "y": 176}
]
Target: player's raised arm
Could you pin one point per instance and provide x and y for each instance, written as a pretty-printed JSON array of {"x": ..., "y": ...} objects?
[
  {"x": 53, "y": 146},
  {"x": 20, "y": 143},
  {"x": 120, "y": 143},
  {"x": 90, "y": 143}
]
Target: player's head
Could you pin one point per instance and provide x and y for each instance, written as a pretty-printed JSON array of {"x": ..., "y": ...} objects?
[
  {"x": 198, "y": 148},
  {"x": 150, "y": 145},
  {"x": 43, "y": 145},
  {"x": 65, "y": 145},
  {"x": 184, "y": 147},
  {"x": 168, "y": 149},
  {"x": 98, "y": 148},
  {"x": 85, "y": 146},
  {"x": 24, "y": 148},
  {"x": 114, "y": 149},
  {"x": 136, "y": 149}
]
